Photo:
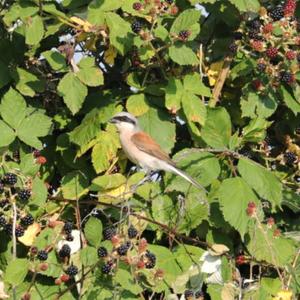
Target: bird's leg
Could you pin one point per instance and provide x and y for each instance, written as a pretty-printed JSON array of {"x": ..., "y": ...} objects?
[{"x": 144, "y": 180}]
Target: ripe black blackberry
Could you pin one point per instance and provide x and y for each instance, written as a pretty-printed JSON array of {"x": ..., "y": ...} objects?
[
  {"x": 42, "y": 255},
  {"x": 261, "y": 67},
  {"x": 68, "y": 226},
  {"x": 132, "y": 232},
  {"x": 254, "y": 24},
  {"x": 102, "y": 252},
  {"x": 184, "y": 35},
  {"x": 106, "y": 268},
  {"x": 19, "y": 231},
  {"x": 24, "y": 195},
  {"x": 286, "y": 77},
  {"x": 64, "y": 251},
  {"x": 2, "y": 221},
  {"x": 136, "y": 26},
  {"x": 8, "y": 228},
  {"x": 237, "y": 35},
  {"x": 4, "y": 203},
  {"x": 27, "y": 220},
  {"x": 169, "y": 1},
  {"x": 290, "y": 158},
  {"x": 151, "y": 260},
  {"x": 254, "y": 35},
  {"x": 298, "y": 58},
  {"x": 1, "y": 187},
  {"x": 277, "y": 13},
  {"x": 69, "y": 237},
  {"x": 10, "y": 178},
  {"x": 122, "y": 250},
  {"x": 188, "y": 294},
  {"x": 199, "y": 295},
  {"x": 72, "y": 270},
  {"x": 233, "y": 48},
  {"x": 109, "y": 232}
]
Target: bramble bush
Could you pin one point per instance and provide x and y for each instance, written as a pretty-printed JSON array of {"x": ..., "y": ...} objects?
[{"x": 216, "y": 83}]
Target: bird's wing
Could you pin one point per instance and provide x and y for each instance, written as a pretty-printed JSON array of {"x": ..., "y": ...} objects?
[{"x": 145, "y": 143}]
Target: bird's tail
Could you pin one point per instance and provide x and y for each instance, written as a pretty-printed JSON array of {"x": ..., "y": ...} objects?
[{"x": 187, "y": 178}]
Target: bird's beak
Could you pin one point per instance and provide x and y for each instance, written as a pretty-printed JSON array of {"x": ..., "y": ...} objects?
[{"x": 112, "y": 120}]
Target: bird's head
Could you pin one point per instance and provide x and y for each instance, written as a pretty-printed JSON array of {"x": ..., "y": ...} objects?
[{"x": 125, "y": 121}]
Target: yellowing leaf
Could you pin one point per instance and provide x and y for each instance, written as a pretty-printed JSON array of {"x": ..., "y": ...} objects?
[
  {"x": 110, "y": 55},
  {"x": 139, "y": 223},
  {"x": 283, "y": 295},
  {"x": 30, "y": 234},
  {"x": 218, "y": 249},
  {"x": 213, "y": 72},
  {"x": 86, "y": 26},
  {"x": 116, "y": 195}
]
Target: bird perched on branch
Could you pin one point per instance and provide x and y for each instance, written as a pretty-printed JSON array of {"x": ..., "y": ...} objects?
[{"x": 142, "y": 150}]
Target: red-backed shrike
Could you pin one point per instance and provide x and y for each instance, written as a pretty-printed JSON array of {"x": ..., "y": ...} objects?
[{"x": 142, "y": 150}]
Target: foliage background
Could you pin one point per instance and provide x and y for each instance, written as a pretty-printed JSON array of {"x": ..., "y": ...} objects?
[{"x": 66, "y": 68}]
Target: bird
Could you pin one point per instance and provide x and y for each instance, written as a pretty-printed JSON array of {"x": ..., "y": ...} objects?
[{"x": 143, "y": 150}]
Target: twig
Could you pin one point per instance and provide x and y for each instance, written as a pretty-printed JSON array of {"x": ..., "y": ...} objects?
[{"x": 14, "y": 240}]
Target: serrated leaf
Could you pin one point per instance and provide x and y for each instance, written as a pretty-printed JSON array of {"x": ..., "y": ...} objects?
[
  {"x": 174, "y": 92},
  {"x": 289, "y": 99},
  {"x": 56, "y": 60},
  {"x": 16, "y": 271},
  {"x": 88, "y": 73},
  {"x": 244, "y": 5},
  {"x": 255, "y": 131},
  {"x": 73, "y": 92},
  {"x": 13, "y": 108},
  {"x": 263, "y": 181},
  {"x": 234, "y": 195},
  {"x": 193, "y": 83},
  {"x": 183, "y": 55},
  {"x": 216, "y": 131},
  {"x": 107, "y": 182},
  {"x": 127, "y": 282},
  {"x": 137, "y": 105},
  {"x": 74, "y": 185},
  {"x": 34, "y": 30},
  {"x": 7, "y": 134},
  {"x": 88, "y": 255},
  {"x": 39, "y": 193}
]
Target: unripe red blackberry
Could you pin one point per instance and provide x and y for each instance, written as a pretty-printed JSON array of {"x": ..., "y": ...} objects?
[
  {"x": 290, "y": 55},
  {"x": 174, "y": 10},
  {"x": 10, "y": 178},
  {"x": 251, "y": 209},
  {"x": 137, "y": 6},
  {"x": 289, "y": 8},
  {"x": 184, "y": 35},
  {"x": 272, "y": 52},
  {"x": 257, "y": 84},
  {"x": 268, "y": 28},
  {"x": 72, "y": 270},
  {"x": 64, "y": 278},
  {"x": 257, "y": 45}
]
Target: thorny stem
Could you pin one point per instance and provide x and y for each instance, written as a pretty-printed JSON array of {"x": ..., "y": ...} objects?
[{"x": 14, "y": 240}]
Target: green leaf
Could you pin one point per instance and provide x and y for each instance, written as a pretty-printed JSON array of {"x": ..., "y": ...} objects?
[
  {"x": 187, "y": 20},
  {"x": 88, "y": 255},
  {"x": 93, "y": 231},
  {"x": 16, "y": 271},
  {"x": 216, "y": 131},
  {"x": 56, "y": 60},
  {"x": 27, "y": 83},
  {"x": 34, "y": 30},
  {"x": 13, "y": 108},
  {"x": 109, "y": 181},
  {"x": 263, "y": 181},
  {"x": 39, "y": 192},
  {"x": 74, "y": 185},
  {"x": 7, "y": 134},
  {"x": 234, "y": 195},
  {"x": 28, "y": 165},
  {"x": 73, "y": 92},
  {"x": 34, "y": 126},
  {"x": 174, "y": 91},
  {"x": 88, "y": 73},
  {"x": 289, "y": 99},
  {"x": 183, "y": 55},
  {"x": 119, "y": 32},
  {"x": 161, "y": 32},
  {"x": 127, "y": 282},
  {"x": 245, "y": 6},
  {"x": 4, "y": 75},
  {"x": 106, "y": 5},
  {"x": 193, "y": 83},
  {"x": 255, "y": 131},
  {"x": 157, "y": 124},
  {"x": 137, "y": 104}
]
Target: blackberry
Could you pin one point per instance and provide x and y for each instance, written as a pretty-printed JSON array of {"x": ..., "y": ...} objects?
[
  {"x": 109, "y": 232},
  {"x": 261, "y": 67},
  {"x": 1, "y": 187},
  {"x": 10, "y": 178},
  {"x": 132, "y": 232},
  {"x": 68, "y": 226},
  {"x": 19, "y": 231},
  {"x": 277, "y": 13},
  {"x": 199, "y": 295},
  {"x": 72, "y": 270},
  {"x": 136, "y": 26},
  {"x": 184, "y": 35},
  {"x": 254, "y": 35},
  {"x": 189, "y": 294},
  {"x": 290, "y": 158},
  {"x": 27, "y": 220},
  {"x": 102, "y": 252},
  {"x": 65, "y": 251},
  {"x": 69, "y": 237},
  {"x": 24, "y": 195},
  {"x": 272, "y": 52},
  {"x": 106, "y": 268},
  {"x": 8, "y": 228},
  {"x": 122, "y": 250},
  {"x": 233, "y": 47},
  {"x": 298, "y": 58},
  {"x": 4, "y": 203},
  {"x": 137, "y": 6},
  {"x": 169, "y": 1},
  {"x": 2, "y": 221},
  {"x": 254, "y": 24},
  {"x": 151, "y": 260},
  {"x": 286, "y": 77},
  {"x": 237, "y": 35},
  {"x": 42, "y": 255}
]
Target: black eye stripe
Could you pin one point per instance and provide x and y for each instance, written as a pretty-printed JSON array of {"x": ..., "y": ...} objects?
[{"x": 124, "y": 119}]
